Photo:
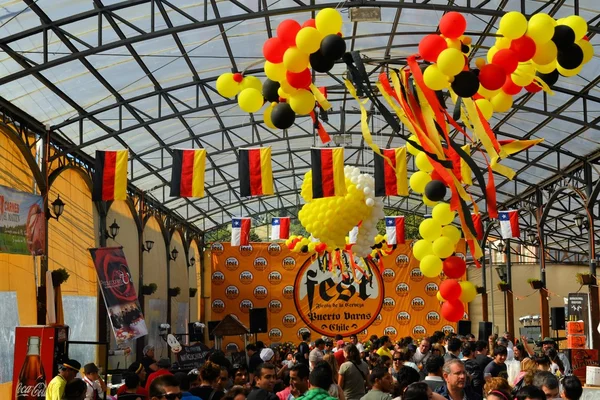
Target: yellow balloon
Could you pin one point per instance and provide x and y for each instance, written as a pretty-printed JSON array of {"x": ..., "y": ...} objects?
[
  {"x": 469, "y": 292},
  {"x": 442, "y": 214},
  {"x": 226, "y": 86},
  {"x": 250, "y": 81},
  {"x": 438, "y": 295},
  {"x": 431, "y": 266},
  {"x": 545, "y": 53},
  {"x": 308, "y": 39},
  {"x": 430, "y": 229},
  {"x": 295, "y": 60},
  {"x": 422, "y": 162},
  {"x": 409, "y": 146},
  {"x": 428, "y": 202},
  {"x": 451, "y": 62},
  {"x": 588, "y": 50},
  {"x": 275, "y": 72},
  {"x": 578, "y": 24},
  {"x": 434, "y": 79},
  {"x": 302, "y": 102},
  {"x": 452, "y": 233},
  {"x": 501, "y": 102},
  {"x": 545, "y": 69},
  {"x": 289, "y": 89},
  {"x": 524, "y": 74},
  {"x": 422, "y": 248},
  {"x": 329, "y": 21},
  {"x": 568, "y": 72},
  {"x": 503, "y": 43},
  {"x": 250, "y": 100},
  {"x": 418, "y": 181},
  {"x": 490, "y": 54},
  {"x": 453, "y": 43},
  {"x": 488, "y": 94},
  {"x": 282, "y": 93},
  {"x": 267, "y": 116},
  {"x": 513, "y": 25},
  {"x": 541, "y": 28},
  {"x": 443, "y": 247},
  {"x": 485, "y": 107}
]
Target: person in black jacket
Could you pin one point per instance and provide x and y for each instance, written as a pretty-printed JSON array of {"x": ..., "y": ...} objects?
[
  {"x": 265, "y": 377},
  {"x": 456, "y": 387},
  {"x": 472, "y": 367}
]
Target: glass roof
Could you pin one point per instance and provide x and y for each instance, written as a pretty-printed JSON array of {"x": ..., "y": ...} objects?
[{"x": 141, "y": 74}]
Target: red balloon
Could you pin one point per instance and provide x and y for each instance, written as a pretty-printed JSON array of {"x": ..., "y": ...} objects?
[
  {"x": 453, "y": 24},
  {"x": 492, "y": 76},
  {"x": 450, "y": 289},
  {"x": 453, "y": 311},
  {"x": 507, "y": 59},
  {"x": 287, "y": 31},
  {"x": 510, "y": 87},
  {"x": 273, "y": 50},
  {"x": 454, "y": 267},
  {"x": 238, "y": 77},
  {"x": 524, "y": 47},
  {"x": 311, "y": 22},
  {"x": 300, "y": 80},
  {"x": 533, "y": 87},
  {"x": 431, "y": 46}
]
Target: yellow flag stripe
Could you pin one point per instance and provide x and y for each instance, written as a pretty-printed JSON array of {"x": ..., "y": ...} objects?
[
  {"x": 121, "y": 175},
  {"x": 198, "y": 176},
  {"x": 465, "y": 170},
  {"x": 266, "y": 170},
  {"x": 401, "y": 174},
  {"x": 339, "y": 179}
]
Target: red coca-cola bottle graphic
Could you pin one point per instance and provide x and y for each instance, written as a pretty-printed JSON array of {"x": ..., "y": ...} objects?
[{"x": 32, "y": 379}]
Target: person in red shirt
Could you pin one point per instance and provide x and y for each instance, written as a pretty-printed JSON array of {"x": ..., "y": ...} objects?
[
  {"x": 339, "y": 354},
  {"x": 163, "y": 369},
  {"x": 136, "y": 368}
]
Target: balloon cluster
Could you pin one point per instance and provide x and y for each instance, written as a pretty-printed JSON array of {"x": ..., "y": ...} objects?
[
  {"x": 454, "y": 294},
  {"x": 331, "y": 218},
  {"x": 425, "y": 181},
  {"x": 300, "y": 244}
]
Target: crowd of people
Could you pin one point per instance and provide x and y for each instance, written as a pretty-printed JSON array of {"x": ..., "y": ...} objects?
[{"x": 440, "y": 367}]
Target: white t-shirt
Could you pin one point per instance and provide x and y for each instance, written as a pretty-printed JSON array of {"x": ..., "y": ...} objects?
[
  {"x": 91, "y": 386},
  {"x": 360, "y": 347}
]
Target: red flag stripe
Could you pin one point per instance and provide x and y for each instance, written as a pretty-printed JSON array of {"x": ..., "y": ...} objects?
[
  {"x": 187, "y": 173},
  {"x": 245, "y": 231},
  {"x": 255, "y": 172},
  {"x": 327, "y": 173},
  {"x": 108, "y": 175},
  {"x": 391, "y": 183},
  {"x": 514, "y": 223},
  {"x": 400, "y": 239}
]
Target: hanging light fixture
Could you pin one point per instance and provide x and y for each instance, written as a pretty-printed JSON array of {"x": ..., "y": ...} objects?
[
  {"x": 58, "y": 206},
  {"x": 174, "y": 254},
  {"x": 192, "y": 262},
  {"x": 149, "y": 245},
  {"x": 114, "y": 230}
]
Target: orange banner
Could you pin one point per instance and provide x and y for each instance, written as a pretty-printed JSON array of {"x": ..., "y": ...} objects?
[{"x": 305, "y": 292}]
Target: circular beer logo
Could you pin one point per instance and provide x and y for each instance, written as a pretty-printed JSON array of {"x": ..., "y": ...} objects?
[
  {"x": 447, "y": 329},
  {"x": 431, "y": 289},
  {"x": 432, "y": 318},
  {"x": 331, "y": 303},
  {"x": 260, "y": 263},
  {"x": 362, "y": 335},
  {"x": 402, "y": 260},
  {"x": 232, "y": 292},
  {"x": 274, "y": 277},
  {"x": 378, "y": 320},
  {"x": 389, "y": 304},
  {"x": 218, "y": 306},
  {"x": 288, "y": 292},
  {"x": 260, "y": 292},
  {"x": 301, "y": 331},
  {"x": 217, "y": 278},
  {"x": 217, "y": 248},
  {"x": 288, "y": 263},
  {"x": 402, "y": 289},
  {"x": 274, "y": 249},
  {"x": 403, "y": 318},
  {"x": 416, "y": 275},
  {"x": 275, "y": 306},
  {"x": 289, "y": 320},
  {"x": 391, "y": 332},
  {"x": 388, "y": 275},
  {"x": 246, "y": 250},
  {"x": 275, "y": 335},
  {"x": 419, "y": 331},
  {"x": 232, "y": 263},
  {"x": 245, "y": 306},
  {"x": 246, "y": 277},
  {"x": 417, "y": 303}
]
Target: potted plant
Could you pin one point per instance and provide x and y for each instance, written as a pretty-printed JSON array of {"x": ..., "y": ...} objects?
[
  {"x": 59, "y": 276},
  {"x": 503, "y": 286},
  {"x": 586, "y": 279},
  {"x": 149, "y": 289},
  {"x": 480, "y": 289},
  {"x": 174, "y": 292},
  {"x": 535, "y": 283},
  {"x": 193, "y": 292}
]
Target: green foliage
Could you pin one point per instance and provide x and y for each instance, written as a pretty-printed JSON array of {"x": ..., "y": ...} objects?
[
  {"x": 174, "y": 292},
  {"x": 531, "y": 280},
  {"x": 220, "y": 234},
  {"x": 59, "y": 276},
  {"x": 193, "y": 292},
  {"x": 149, "y": 289},
  {"x": 254, "y": 237}
]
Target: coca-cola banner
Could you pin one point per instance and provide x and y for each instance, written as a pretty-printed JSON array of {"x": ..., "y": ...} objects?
[
  {"x": 119, "y": 294},
  {"x": 22, "y": 222}
]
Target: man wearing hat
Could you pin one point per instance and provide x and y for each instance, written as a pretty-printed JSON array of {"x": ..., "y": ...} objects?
[
  {"x": 138, "y": 369},
  {"x": 67, "y": 371},
  {"x": 148, "y": 360},
  {"x": 163, "y": 369},
  {"x": 549, "y": 343}
]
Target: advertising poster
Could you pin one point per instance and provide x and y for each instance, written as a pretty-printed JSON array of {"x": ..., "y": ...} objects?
[
  {"x": 578, "y": 310},
  {"x": 301, "y": 293},
  {"x": 22, "y": 223},
  {"x": 119, "y": 294}
]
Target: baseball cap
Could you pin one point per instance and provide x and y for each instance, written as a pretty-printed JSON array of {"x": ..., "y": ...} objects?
[
  {"x": 340, "y": 343},
  {"x": 72, "y": 364}
]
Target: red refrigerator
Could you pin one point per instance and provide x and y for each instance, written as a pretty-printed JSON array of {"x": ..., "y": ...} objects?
[{"x": 38, "y": 351}]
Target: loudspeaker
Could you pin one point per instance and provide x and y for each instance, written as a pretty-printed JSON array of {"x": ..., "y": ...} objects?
[
  {"x": 258, "y": 320},
  {"x": 558, "y": 318},
  {"x": 211, "y": 326},
  {"x": 485, "y": 330},
  {"x": 464, "y": 327},
  {"x": 194, "y": 334}
]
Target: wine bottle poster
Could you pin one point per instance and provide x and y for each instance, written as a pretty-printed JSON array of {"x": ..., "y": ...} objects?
[{"x": 119, "y": 294}]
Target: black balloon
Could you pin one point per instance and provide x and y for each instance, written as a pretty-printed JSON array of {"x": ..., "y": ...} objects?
[
  {"x": 333, "y": 47},
  {"x": 550, "y": 78},
  {"x": 270, "y": 89},
  {"x": 435, "y": 190},
  {"x": 464, "y": 48},
  {"x": 570, "y": 57},
  {"x": 320, "y": 63},
  {"x": 465, "y": 84},
  {"x": 283, "y": 116},
  {"x": 563, "y": 36}
]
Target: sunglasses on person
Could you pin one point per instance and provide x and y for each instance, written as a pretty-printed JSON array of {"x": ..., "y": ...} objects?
[
  {"x": 172, "y": 396},
  {"x": 397, "y": 359}
]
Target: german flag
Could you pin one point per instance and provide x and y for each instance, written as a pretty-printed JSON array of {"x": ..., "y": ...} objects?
[
  {"x": 187, "y": 176},
  {"x": 328, "y": 172},
  {"x": 110, "y": 176},
  {"x": 255, "y": 171},
  {"x": 390, "y": 173}
]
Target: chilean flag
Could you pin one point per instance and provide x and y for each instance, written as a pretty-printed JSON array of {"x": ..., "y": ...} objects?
[
  {"x": 240, "y": 231},
  {"x": 394, "y": 229},
  {"x": 280, "y": 228},
  {"x": 509, "y": 224}
]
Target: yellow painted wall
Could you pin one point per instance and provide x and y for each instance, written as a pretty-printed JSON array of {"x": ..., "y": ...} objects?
[
  {"x": 194, "y": 280},
  {"x": 179, "y": 278}
]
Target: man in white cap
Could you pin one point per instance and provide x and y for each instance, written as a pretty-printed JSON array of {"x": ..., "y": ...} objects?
[
  {"x": 266, "y": 354},
  {"x": 148, "y": 360}
]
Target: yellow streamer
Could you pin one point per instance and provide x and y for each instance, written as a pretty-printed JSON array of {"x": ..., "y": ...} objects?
[
  {"x": 364, "y": 123},
  {"x": 320, "y": 98}
]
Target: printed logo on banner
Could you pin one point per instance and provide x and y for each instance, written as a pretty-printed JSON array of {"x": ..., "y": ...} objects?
[
  {"x": 274, "y": 249},
  {"x": 246, "y": 305},
  {"x": 232, "y": 263},
  {"x": 274, "y": 277},
  {"x": 403, "y": 318},
  {"x": 417, "y": 303},
  {"x": 232, "y": 292},
  {"x": 260, "y": 292},
  {"x": 402, "y": 289},
  {"x": 218, "y": 306},
  {"x": 416, "y": 275},
  {"x": 217, "y": 278},
  {"x": 431, "y": 289},
  {"x": 432, "y": 318},
  {"x": 362, "y": 335},
  {"x": 402, "y": 260},
  {"x": 389, "y": 304},
  {"x": 301, "y": 331},
  {"x": 275, "y": 306},
  {"x": 391, "y": 332},
  {"x": 378, "y": 320},
  {"x": 388, "y": 275},
  {"x": 217, "y": 248},
  {"x": 332, "y": 303},
  {"x": 260, "y": 263},
  {"x": 288, "y": 263},
  {"x": 246, "y": 277},
  {"x": 288, "y": 292},
  {"x": 419, "y": 330},
  {"x": 447, "y": 329},
  {"x": 275, "y": 335},
  {"x": 246, "y": 250},
  {"x": 289, "y": 320}
]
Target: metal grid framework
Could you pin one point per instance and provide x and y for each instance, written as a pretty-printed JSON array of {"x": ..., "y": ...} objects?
[{"x": 141, "y": 74}]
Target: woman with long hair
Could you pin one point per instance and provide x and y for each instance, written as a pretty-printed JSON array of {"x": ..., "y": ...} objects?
[
  {"x": 209, "y": 378},
  {"x": 353, "y": 374},
  {"x": 334, "y": 390}
]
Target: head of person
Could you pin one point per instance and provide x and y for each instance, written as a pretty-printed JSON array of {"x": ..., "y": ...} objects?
[
  {"x": 454, "y": 345},
  {"x": 299, "y": 378},
  {"x": 502, "y": 341},
  {"x": 519, "y": 351},
  {"x": 331, "y": 360},
  {"x": 164, "y": 363},
  {"x": 328, "y": 345},
  {"x": 91, "y": 371},
  {"x": 500, "y": 353},
  {"x": 353, "y": 339},
  {"x": 386, "y": 361},
  {"x": 468, "y": 349},
  {"x": 497, "y": 384},
  {"x": 481, "y": 347},
  {"x": 69, "y": 370},
  {"x": 470, "y": 337},
  {"x": 385, "y": 342},
  {"x": 548, "y": 343},
  {"x": 132, "y": 380},
  {"x": 548, "y": 382},
  {"x": 373, "y": 338},
  {"x": 165, "y": 387},
  {"x": 339, "y": 344},
  {"x": 321, "y": 376},
  {"x": 454, "y": 374},
  {"x": 193, "y": 378},
  {"x": 417, "y": 391},
  {"x": 530, "y": 392},
  {"x": 434, "y": 365},
  {"x": 223, "y": 379},
  {"x": 542, "y": 362},
  {"x": 76, "y": 389},
  {"x": 265, "y": 376},
  {"x": 438, "y": 349},
  {"x": 320, "y": 344},
  {"x": 267, "y": 354},
  {"x": 260, "y": 345},
  {"x": 571, "y": 388},
  {"x": 236, "y": 393},
  {"x": 239, "y": 374},
  {"x": 250, "y": 349},
  {"x": 351, "y": 353},
  {"x": 425, "y": 345},
  {"x": 498, "y": 395},
  {"x": 149, "y": 351},
  {"x": 437, "y": 337},
  {"x": 210, "y": 373},
  {"x": 508, "y": 336},
  {"x": 184, "y": 381},
  {"x": 381, "y": 379},
  {"x": 306, "y": 336},
  {"x": 374, "y": 359},
  {"x": 405, "y": 377},
  {"x": 137, "y": 368}
]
